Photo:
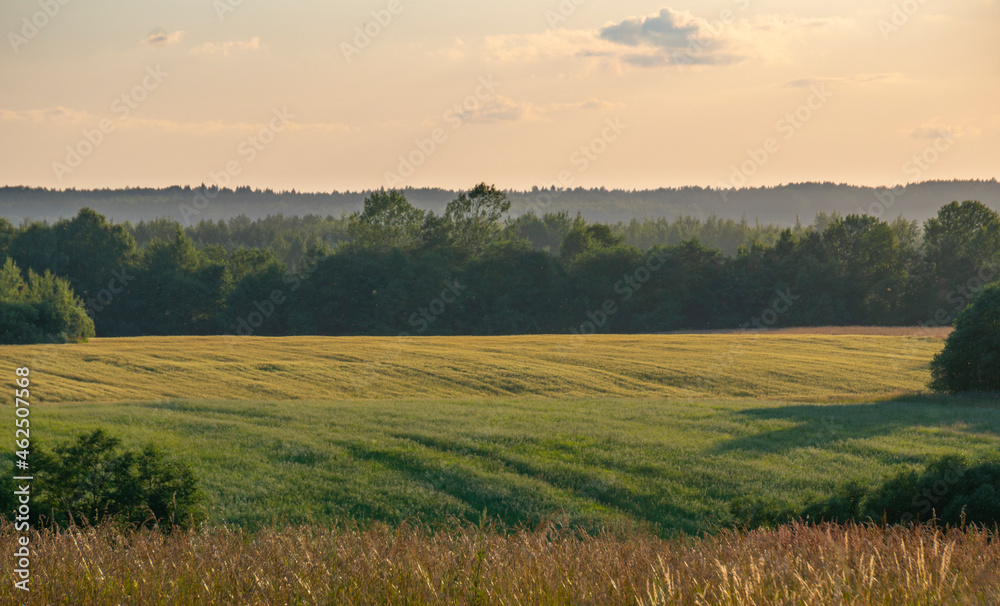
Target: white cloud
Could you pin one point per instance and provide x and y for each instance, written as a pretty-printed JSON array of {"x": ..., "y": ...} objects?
[
  {"x": 500, "y": 109},
  {"x": 162, "y": 38},
  {"x": 935, "y": 129},
  {"x": 857, "y": 79},
  {"x": 224, "y": 48},
  {"x": 50, "y": 115},
  {"x": 63, "y": 115},
  {"x": 454, "y": 52},
  {"x": 505, "y": 109},
  {"x": 669, "y": 37}
]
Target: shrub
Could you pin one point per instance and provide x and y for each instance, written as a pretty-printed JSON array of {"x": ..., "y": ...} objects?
[
  {"x": 949, "y": 490},
  {"x": 95, "y": 479},
  {"x": 970, "y": 360},
  {"x": 41, "y": 309}
]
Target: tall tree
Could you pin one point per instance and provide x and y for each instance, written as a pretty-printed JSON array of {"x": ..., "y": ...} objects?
[
  {"x": 475, "y": 217},
  {"x": 961, "y": 254},
  {"x": 869, "y": 261},
  {"x": 387, "y": 221}
]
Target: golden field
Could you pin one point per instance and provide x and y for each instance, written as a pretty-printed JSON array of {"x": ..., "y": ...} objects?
[{"x": 810, "y": 367}]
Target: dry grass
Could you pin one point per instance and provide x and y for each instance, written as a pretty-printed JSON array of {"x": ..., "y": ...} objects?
[
  {"x": 776, "y": 366},
  {"x": 936, "y": 332},
  {"x": 795, "y": 564}
]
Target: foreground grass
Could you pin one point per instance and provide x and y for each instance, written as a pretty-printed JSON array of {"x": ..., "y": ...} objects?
[
  {"x": 800, "y": 565},
  {"x": 665, "y": 465},
  {"x": 776, "y": 366}
]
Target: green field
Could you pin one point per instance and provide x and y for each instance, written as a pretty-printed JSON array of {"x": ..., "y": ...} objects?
[{"x": 624, "y": 431}]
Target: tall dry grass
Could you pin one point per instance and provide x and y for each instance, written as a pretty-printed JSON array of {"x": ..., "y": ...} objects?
[{"x": 796, "y": 564}]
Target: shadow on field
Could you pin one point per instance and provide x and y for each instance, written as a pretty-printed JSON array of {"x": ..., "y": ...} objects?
[
  {"x": 519, "y": 493},
  {"x": 823, "y": 425}
]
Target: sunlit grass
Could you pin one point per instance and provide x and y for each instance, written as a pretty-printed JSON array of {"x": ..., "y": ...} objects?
[{"x": 777, "y": 366}]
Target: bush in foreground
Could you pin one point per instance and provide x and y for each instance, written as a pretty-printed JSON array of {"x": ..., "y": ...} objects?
[
  {"x": 796, "y": 564},
  {"x": 93, "y": 479},
  {"x": 970, "y": 360}
]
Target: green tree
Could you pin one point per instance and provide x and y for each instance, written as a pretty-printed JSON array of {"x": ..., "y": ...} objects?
[
  {"x": 961, "y": 252},
  {"x": 387, "y": 221},
  {"x": 544, "y": 233},
  {"x": 256, "y": 303},
  {"x": 475, "y": 217},
  {"x": 177, "y": 290},
  {"x": 7, "y": 233},
  {"x": 91, "y": 250},
  {"x": 970, "y": 360},
  {"x": 582, "y": 238},
  {"x": 870, "y": 265},
  {"x": 512, "y": 289}
]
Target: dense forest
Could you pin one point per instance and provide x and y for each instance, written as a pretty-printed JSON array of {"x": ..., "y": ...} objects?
[
  {"x": 391, "y": 268},
  {"x": 779, "y": 204}
]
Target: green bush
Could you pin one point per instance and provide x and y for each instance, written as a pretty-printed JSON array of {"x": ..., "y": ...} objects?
[
  {"x": 94, "y": 479},
  {"x": 949, "y": 490},
  {"x": 39, "y": 310},
  {"x": 970, "y": 360}
]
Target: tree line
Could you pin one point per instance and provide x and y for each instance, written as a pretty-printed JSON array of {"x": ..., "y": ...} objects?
[
  {"x": 392, "y": 268},
  {"x": 775, "y": 204}
]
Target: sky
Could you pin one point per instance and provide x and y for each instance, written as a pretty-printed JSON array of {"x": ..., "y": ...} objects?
[{"x": 317, "y": 96}]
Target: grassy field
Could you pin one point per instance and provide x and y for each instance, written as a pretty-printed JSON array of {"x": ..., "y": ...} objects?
[
  {"x": 794, "y": 566},
  {"x": 656, "y": 432}
]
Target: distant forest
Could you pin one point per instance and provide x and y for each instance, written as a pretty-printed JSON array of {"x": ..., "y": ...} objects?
[
  {"x": 392, "y": 268},
  {"x": 779, "y": 205}
]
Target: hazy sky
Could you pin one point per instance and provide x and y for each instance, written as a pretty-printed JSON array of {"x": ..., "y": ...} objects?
[{"x": 624, "y": 93}]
